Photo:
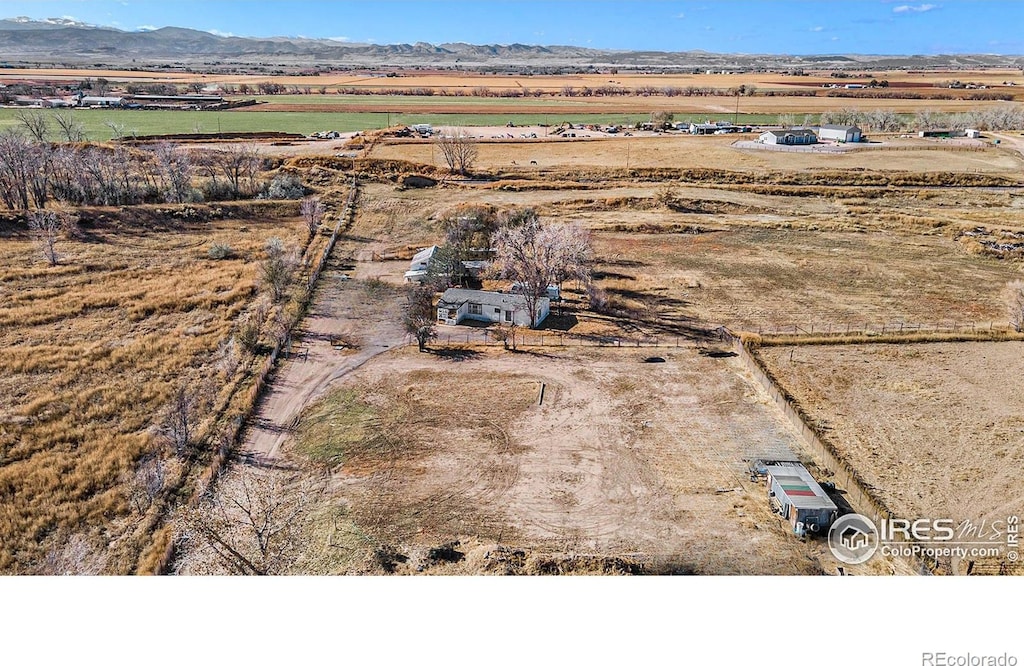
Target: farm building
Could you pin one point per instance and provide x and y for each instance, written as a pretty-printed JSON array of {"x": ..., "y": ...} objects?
[
  {"x": 489, "y": 306},
  {"x": 101, "y": 101},
  {"x": 798, "y": 498},
  {"x": 709, "y": 127},
  {"x": 789, "y": 137},
  {"x": 940, "y": 133},
  {"x": 841, "y": 133},
  {"x": 420, "y": 264}
]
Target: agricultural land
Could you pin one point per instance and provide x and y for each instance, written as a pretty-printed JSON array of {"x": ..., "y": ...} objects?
[{"x": 868, "y": 283}]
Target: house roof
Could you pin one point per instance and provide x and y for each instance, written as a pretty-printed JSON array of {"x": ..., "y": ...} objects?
[
  {"x": 454, "y": 298},
  {"x": 845, "y": 128},
  {"x": 424, "y": 254},
  {"x": 87, "y": 99},
  {"x": 794, "y": 132},
  {"x": 802, "y": 491}
]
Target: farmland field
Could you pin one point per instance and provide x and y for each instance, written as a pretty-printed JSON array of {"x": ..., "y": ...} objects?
[{"x": 936, "y": 429}]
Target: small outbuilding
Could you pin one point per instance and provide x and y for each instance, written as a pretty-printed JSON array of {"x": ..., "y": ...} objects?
[
  {"x": 797, "y": 497},
  {"x": 104, "y": 102},
  {"x": 840, "y": 133},
  {"x": 420, "y": 264},
  {"x": 488, "y": 306},
  {"x": 789, "y": 137}
]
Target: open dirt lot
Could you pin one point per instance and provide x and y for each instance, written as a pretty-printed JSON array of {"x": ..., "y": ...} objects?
[
  {"x": 623, "y": 458},
  {"x": 937, "y": 429}
]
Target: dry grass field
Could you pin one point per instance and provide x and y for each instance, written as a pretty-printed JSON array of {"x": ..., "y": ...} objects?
[
  {"x": 549, "y": 84},
  {"x": 717, "y": 152},
  {"x": 937, "y": 429},
  {"x": 90, "y": 353}
]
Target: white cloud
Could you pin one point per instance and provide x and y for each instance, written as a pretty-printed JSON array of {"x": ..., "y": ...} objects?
[
  {"x": 817, "y": 28},
  {"x": 220, "y": 33},
  {"x": 145, "y": 28},
  {"x": 339, "y": 39},
  {"x": 680, "y": 15},
  {"x": 915, "y": 9}
]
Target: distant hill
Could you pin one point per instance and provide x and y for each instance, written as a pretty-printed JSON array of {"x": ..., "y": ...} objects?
[{"x": 65, "y": 41}]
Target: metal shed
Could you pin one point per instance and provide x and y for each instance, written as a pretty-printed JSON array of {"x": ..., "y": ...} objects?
[
  {"x": 798, "y": 498},
  {"x": 843, "y": 133}
]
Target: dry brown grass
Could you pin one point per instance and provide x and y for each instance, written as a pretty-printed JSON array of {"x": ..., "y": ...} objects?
[{"x": 90, "y": 352}]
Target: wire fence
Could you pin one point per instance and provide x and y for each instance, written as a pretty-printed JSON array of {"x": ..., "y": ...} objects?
[
  {"x": 452, "y": 336},
  {"x": 875, "y": 328}
]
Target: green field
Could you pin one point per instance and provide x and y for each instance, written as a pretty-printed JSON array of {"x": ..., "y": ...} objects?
[{"x": 141, "y": 123}]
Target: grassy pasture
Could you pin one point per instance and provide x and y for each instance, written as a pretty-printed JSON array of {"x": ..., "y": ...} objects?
[{"x": 90, "y": 353}]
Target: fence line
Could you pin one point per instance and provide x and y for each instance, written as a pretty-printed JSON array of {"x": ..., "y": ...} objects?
[
  {"x": 231, "y": 433},
  {"x": 450, "y": 336},
  {"x": 885, "y": 328},
  {"x": 859, "y": 493}
]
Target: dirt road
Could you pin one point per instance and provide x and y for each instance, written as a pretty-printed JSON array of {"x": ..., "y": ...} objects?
[{"x": 366, "y": 318}]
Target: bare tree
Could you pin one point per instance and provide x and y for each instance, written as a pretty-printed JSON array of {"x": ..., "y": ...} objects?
[
  {"x": 174, "y": 170},
  {"x": 178, "y": 426},
  {"x": 46, "y": 227},
  {"x": 459, "y": 150},
  {"x": 70, "y": 129},
  {"x": 254, "y": 524},
  {"x": 535, "y": 255},
  {"x": 240, "y": 163},
  {"x": 146, "y": 482},
  {"x": 1015, "y": 304},
  {"x": 18, "y": 156},
  {"x": 116, "y": 129},
  {"x": 312, "y": 211},
  {"x": 35, "y": 123},
  {"x": 276, "y": 269},
  {"x": 420, "y": 317}
]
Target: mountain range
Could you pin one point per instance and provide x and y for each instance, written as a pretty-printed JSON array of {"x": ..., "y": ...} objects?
[{"x": 24, "y": 40}]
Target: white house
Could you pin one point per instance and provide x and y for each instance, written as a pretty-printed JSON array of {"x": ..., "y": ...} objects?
[
  {"x": 489, "y": 306},
  {"x": 842, "y": 133},
  {"x": 789, "y": 137},
  {"x": 420, "y": 264}
]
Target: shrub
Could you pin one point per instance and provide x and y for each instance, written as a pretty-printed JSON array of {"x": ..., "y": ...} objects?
[
  {"x": 220, "y": 251},
  {"x": 284, "y": 186}
]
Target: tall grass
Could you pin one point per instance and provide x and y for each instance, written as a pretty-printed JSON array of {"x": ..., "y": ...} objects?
[{"x": 90, "y": 353}]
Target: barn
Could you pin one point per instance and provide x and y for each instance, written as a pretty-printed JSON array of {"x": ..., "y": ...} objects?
[
  {"x": 488, "y": 306},
  {"x": 797, "y": 497},
  {"x": 841, "y": 133},
  {"x": 789, "y": 137}
]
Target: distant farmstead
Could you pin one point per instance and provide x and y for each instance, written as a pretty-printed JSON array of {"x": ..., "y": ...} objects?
[
  {"x": 789, "y": 137},
  {"x": 488, "y": 306},
  {"x": 103, "y": 102},
  {"x": 843, "y": 133}
]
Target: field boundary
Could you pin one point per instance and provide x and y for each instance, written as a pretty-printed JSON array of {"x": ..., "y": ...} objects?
[
  {"x": 859, "y": 493},
  {"x": 899, "y": 332},
  {"x": 231, "y": 433}
]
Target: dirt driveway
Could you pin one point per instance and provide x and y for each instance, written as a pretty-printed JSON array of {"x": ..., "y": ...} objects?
[{"x": 365, "y": 316}]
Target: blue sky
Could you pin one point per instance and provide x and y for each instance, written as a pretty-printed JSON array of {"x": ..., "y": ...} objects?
[{"x": 743, "y": 26}]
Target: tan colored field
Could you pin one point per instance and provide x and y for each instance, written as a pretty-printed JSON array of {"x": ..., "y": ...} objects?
[
  {"x": 546, "y": 83},
  {"x": 434, "y": 450},
  {"x": 937, "y": 429},
  {"x": 718, "y": 152},
  {"x": 90, "y": 352}
]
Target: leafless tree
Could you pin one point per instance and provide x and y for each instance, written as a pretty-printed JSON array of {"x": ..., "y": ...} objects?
[
  {"x": 46, "y": 227},
  {"x": 276, "y": 270},
  {"x": 19, "y": 158},
  {"x": 174, "y": 170},
  {"x": 459, "y": 150},
  {"x": 178, "y": 426},
  {"x": 420, "y": 317},
  {"x": 35, "y": 123},
  {"x": 254, "y": 522},
  {"x": 240, "y": 162},
  {"x": 1015, "y": 304},
  {"x": 73, "y": 555},
  {"x": 250, "y": 326},
  {"x": 146, "y": 482},
  {"x": 70, "y": 129},
  {"x": 536, "y": 255},
  {"x": 312, "y": 211},
  {"x": 116, "y": 129}
]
